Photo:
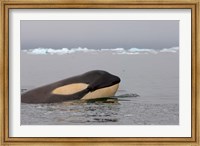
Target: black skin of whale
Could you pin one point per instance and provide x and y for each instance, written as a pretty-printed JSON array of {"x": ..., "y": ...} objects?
[{"x": 96, "y": 79}]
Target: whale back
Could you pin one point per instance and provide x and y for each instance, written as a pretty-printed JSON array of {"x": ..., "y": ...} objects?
[{"x": 93, "y": 84}]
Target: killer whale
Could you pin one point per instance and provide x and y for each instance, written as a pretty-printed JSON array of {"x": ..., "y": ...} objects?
[{"x": 90, "y": 85}]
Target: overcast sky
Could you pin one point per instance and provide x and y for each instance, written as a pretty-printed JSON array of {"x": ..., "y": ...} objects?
[{"x": 154, "y": 34}]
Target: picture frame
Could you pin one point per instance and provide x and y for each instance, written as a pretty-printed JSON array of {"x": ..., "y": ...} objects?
[{"x": 6, "y": 5}]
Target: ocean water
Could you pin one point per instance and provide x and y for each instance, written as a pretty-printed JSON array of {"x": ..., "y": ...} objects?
[
  {"x": 116, "y": 111},
  {"x": 148, "y": 92}
]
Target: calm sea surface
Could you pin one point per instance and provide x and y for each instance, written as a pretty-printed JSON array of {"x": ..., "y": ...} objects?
[
  {"x": 124, "y": 110},
  {"x": 148, "y": 93}
]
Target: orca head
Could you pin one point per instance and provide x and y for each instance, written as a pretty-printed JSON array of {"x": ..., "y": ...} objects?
[
  {"x": 98, "y": 79},
  {"x": 92, "y": 84}
]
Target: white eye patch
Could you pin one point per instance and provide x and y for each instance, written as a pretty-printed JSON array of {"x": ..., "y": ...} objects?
[{"x": 70, "y": 89}]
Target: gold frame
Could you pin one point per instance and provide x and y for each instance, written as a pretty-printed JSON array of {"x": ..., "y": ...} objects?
[{"x": 165, "y": 4}]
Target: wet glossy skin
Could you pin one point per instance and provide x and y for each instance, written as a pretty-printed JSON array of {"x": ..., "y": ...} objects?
[{"x": 95, "y": 80}]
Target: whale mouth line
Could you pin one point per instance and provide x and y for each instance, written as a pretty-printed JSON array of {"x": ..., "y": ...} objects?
[
  {"x": 102, "y": 92},
  {"x": 115, "y": 82}
]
